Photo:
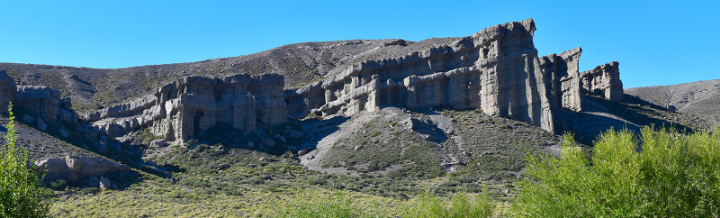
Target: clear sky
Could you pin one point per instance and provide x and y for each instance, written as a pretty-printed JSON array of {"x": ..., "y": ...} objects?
[{"x": 656, "y": 42}]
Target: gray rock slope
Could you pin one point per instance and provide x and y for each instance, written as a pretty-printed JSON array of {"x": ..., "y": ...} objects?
[{"x": 698, "y": 98}]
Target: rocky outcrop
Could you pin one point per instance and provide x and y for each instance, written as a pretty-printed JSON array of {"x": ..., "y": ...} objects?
[
  {"x": 7, "y": 91},
  {"x": 189, "y": 107},
  {"x": 78, "y": 168},
  {"x": 604, "y": 79},
  {"x": 497, "y": 70},
  {"x": 562, "y": 79},
  {"x": 40, "y": 102},
  {"x": 46, "y": 103}
]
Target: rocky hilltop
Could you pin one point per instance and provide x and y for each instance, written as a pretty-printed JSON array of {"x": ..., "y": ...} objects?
[
  {"x": 497, "y": 70},
  {"x": 494, "y": 79}
]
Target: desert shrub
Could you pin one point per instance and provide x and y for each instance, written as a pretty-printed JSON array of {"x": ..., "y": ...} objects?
[
  {"x": 58, "y": 185},
  {"x": 664, "y": 174},
  {"x": 91, "y": 190},
  {"x": 20, "y": 191},
  {"x": 340, "y": 205}
]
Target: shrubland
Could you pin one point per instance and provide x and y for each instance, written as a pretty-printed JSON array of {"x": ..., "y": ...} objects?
[{"x": 660, "y": 173}]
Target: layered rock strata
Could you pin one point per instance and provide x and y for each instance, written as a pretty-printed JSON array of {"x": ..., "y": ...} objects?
[
  {"x": 38, "y": 101},
  {"x": 497, "y": 70},
  {"x": 46, "y": 103},
  {"x": 604, "y": 79},
  {"x": 189, "y": 107},
  {"x": 7, "y": 91}
]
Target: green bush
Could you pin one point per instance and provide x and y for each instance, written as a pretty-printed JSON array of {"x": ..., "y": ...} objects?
[
  {"x": 664, "y": 174},
  {"x": 20, "y": 191}
]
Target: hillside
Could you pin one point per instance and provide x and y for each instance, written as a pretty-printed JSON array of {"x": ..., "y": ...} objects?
[
  {"x": 701, "y": 99},
  {"x": 383, "y": 119},
  {"x": 301, "y": 64}
]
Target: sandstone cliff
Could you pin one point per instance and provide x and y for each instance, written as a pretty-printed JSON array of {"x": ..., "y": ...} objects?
[
  {"x": 497, "y": 70},
  {"x": 606, "y": 80},
  {"x": 188, "y": 107}
]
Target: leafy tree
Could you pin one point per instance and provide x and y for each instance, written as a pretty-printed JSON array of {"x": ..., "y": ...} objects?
[
  {"x": 663, "y": 174},
  {"x": 20, "y": 193}
]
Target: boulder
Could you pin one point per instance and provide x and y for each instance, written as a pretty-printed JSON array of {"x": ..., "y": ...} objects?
[
  {"x": 157, "y": 143},
  {"x": 64, "y": 133},
  {"x": 104, "y": 183},
  {"x": 28, "y": 119},
  {"x": 41, "y": 125},
  {"x": 268, "y": 142},
  {"x": 250, "y": 144},
  {"x": 283, "y": 139},
  {"x": 304, "y": 151},
  {"x": 77, "y": 168}
]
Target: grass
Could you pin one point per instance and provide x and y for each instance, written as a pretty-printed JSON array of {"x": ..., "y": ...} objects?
[
  {"x": 241, "y": 182},
  {"x": 383, "y": 146}
]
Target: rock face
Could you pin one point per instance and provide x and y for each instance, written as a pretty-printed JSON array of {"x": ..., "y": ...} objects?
[
  {"x": 77, "y": 168},
  {"x": 604, "y": 79},
  {"x": 7, "y": 91},
  {"x": 45, "y": 103},
  {"x": 497, "y": 70},
  {"x": 189, "y": 107},
  {"x": 42, "y": 102}
]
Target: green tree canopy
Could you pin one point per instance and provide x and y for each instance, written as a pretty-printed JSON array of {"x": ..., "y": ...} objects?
[
  {"x": 660, "y": 174},
  {"x": 20, "y": 193}
]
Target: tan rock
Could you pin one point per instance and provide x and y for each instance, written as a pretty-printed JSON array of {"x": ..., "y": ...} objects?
[{"x": 77, "y": 168}]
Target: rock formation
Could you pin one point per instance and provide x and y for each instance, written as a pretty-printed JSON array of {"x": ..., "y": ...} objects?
[
  {"x": 189, "y": 107},
  {"x": 45, "y": 102},
  {"x": 604, "y": 79},
  {"x": 77, "y": 168},
  {"x": 497, "y": 70},
  {"x": 7, "y": 91},
  {"x": 42, "y": 102}
]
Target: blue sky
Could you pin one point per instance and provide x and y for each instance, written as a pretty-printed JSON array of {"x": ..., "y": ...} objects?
[{"x": 656, "y": 43}]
